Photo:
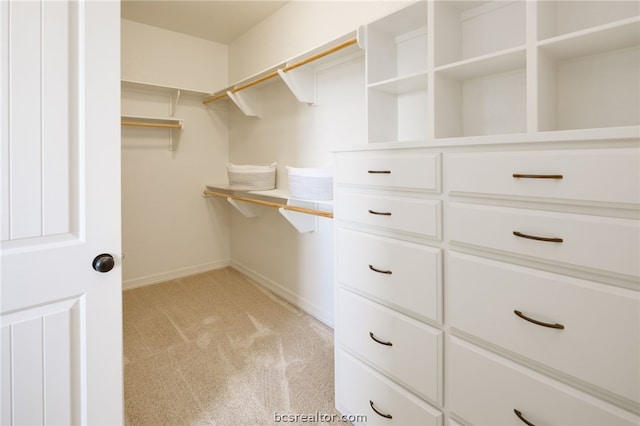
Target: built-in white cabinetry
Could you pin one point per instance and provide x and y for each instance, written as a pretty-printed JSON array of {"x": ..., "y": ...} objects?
[
  {"x": 541, "y": 274},
  {"x": 488, "y": 236},
  {"x": 486, "y": 389},
  {"x": 362, "y": 387},
  {"x": 586, "y": 324},
  {"x": 389, "y": 298}
]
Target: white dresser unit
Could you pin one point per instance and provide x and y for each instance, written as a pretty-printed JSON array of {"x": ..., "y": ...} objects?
[{"x": 488, "y": 236}]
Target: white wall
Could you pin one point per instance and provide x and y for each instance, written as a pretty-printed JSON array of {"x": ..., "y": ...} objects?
[
  {"x": 162, "y": 57},
  {"x": 297, "y": 27},
  {"x": 297, "y": 266},
  {"x": 169, "y": 230}
]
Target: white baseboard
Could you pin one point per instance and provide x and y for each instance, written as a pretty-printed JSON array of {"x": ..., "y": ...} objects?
[
  {"x": 285, "y": 293},
  {"x": 174, "y": 274}
]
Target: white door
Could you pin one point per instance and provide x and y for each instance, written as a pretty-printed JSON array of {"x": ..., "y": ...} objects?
[{"x": 61, "y": 320}]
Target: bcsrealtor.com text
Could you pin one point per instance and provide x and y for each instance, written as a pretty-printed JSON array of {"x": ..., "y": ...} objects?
[{"x": 318, "y": 418}]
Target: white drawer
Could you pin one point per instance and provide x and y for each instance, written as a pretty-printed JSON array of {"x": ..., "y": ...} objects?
[
  {"x": 600, "y": 342},
  {"x": 399, "y": 274},
  {"x": 603, "y": 175},
  {"x": 414, "y": 356},
  {"x": 415, "y": 216},
  {"x": 608, "y": 244},
  {"x": 416, "y": 171},
  {"x": 358, "y": 387},
  {"x": 485, "y": 389}
]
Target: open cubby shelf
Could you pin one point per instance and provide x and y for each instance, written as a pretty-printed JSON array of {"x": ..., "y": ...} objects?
[{"x": 450, "y": 69}]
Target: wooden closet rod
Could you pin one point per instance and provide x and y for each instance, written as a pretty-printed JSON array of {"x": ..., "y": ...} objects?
[
  {"x": 208, "y": 193},
  {"x": 254, "y": 82},
  {"x": 160, "y": 125},
  {"x": 273, "y": 74},
  {"x": 321, "y": 54}
]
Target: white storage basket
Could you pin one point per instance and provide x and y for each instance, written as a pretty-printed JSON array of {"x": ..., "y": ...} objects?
[
  {"x": 310, "y": 183},
  {"x": 251, "y": 177}
]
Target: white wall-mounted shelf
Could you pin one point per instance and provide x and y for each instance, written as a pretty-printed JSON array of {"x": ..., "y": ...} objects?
[
  {"x": 171, "y": 123},
  {"x": 301, "y": 214},
  {"x": 295, "y": 72},
  {"x": 130, "y": 84},
  {"x": 174, "y": 93}
]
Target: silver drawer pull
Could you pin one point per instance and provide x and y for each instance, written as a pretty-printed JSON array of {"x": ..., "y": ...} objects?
[
  {"x": 381, "y": 414},
  {"x": 375, "y": 339},
  {"x": 379, "y": 172},
  {"x": 521, "y": 417},
  {"x": 543, "y": 324},
  {"x": 380, "y": 271},
  {"x": 525, "y": 176},
  {"x": 533, "y": 237},
  {"x": 380, "y": 213}
]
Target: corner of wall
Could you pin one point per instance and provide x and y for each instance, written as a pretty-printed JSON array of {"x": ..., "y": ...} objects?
[
  {"x": 167, "y": 58},
  {"x": 298, "y": 27}
]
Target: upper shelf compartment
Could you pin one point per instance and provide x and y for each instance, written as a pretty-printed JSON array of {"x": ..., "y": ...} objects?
[
  {"x": 397, "y": 48},
  {"x": 589, "y": 78},
  {"x": 472, "y": 29},
  {"x": 397, "y": 75},
  {"x": 557, "y": 18},
  {"x": 299, "y": 77}
]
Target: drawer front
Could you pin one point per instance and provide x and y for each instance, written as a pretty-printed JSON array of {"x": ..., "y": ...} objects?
[
  {"x": 484, "y": 388},
  {"x": 358, "y": 386},
  {"x": 603, "y": 175},
  {"x": 398, "y": 274},
  {"x": 390, "y": 170},
  {"x": 415, "y": 216},
  {"x": 608, "y": 244},
  {"x": 600, "y": 341},
  {"x": 413, "y": 358}
]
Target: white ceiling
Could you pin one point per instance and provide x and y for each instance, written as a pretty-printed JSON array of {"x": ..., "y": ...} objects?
[{"x": 219, "y": 21}]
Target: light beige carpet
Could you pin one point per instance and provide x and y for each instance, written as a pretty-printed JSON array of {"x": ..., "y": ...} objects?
[{"x": 216, "y": 349}]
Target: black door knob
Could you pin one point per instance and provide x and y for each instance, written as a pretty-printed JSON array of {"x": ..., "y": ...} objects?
[{"x": 103, "y": 262}]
